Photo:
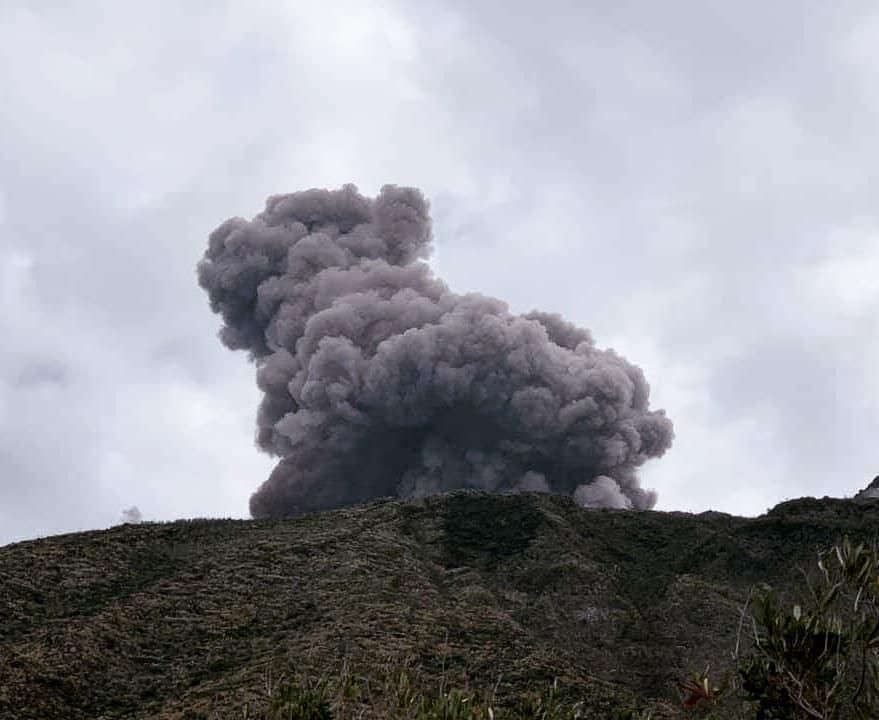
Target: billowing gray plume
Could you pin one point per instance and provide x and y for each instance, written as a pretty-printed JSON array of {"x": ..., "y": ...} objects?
[{"x": 380, "y": 381}]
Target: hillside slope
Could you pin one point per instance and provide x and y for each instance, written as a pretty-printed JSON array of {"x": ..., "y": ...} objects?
[{"x": 173, "y": 620}]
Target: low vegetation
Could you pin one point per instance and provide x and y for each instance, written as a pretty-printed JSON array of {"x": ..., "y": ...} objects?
[
  {"x": 817, "y": 657},
  {"x": 402, "y": 696},
  {"x": 460, "y": 606}
]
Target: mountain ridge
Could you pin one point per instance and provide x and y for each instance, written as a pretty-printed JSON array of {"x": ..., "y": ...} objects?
[{"x": 174, "y": 620}]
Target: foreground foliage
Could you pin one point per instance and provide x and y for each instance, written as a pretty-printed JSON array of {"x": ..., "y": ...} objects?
[
  {"x": 817, "y": 658},
  {"x": 403, "y": 695},
  {"x": 400, "y": 697},
  {"x": 820, "y": 659}
]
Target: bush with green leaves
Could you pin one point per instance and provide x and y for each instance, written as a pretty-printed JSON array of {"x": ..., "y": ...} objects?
[
  {"x": 820, "y": 659},
  {"x": 814, "y": 659}
]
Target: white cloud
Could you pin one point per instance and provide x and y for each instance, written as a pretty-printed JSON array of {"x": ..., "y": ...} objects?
[{"x": 847, "y": 282}]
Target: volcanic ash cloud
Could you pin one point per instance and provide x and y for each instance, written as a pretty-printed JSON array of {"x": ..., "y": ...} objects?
[{"x": 378, "y": 380}]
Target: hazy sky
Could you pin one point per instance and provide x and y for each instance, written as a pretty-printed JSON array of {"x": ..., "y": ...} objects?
[{"x": 695, "y": 182}]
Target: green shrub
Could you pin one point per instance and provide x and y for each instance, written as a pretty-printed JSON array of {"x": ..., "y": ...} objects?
[{"x": 817, "y": 659}]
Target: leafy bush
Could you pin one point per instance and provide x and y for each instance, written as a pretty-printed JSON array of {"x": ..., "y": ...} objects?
[{"x": 817, "y": 659}]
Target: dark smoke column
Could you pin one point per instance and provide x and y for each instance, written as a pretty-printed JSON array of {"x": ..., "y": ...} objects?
[{"x": 380, "y": 381}]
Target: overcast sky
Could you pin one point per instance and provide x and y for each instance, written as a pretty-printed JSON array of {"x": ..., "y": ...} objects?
[{"x": 696, "y": 182}]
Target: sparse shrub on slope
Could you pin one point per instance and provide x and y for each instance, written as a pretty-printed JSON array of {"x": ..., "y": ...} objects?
[
  {"x": 820, "y": 659},
  {"x": 816, "y": 659}
]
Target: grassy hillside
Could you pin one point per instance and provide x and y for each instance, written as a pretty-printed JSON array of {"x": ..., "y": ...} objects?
[{"x": 198, "y": 619}]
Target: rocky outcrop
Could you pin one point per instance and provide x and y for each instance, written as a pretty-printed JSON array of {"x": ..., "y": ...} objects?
[{"x": 871, "y": 491}]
